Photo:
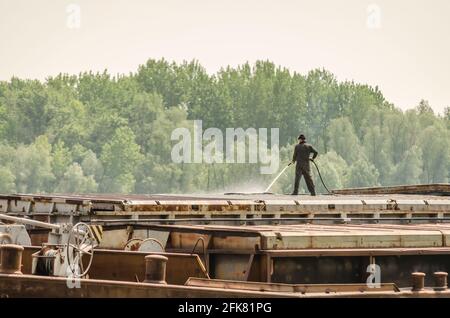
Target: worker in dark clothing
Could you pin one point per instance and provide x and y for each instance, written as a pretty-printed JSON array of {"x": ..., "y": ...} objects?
[{"x": 302, "y": 157}]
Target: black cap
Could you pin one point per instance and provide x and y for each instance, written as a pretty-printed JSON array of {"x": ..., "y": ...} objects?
[{"x": 302, "y": 137}]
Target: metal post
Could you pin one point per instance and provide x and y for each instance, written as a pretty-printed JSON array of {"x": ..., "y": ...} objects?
[
  {"x": 418, "y": 280},
  {"x": 11, "y": 259},
  {"x": 155, "y": 269},
  {"x": 440, "y": 281}
]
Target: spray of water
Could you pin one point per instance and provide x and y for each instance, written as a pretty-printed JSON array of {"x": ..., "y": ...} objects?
[{"x": 275, "y": 180}]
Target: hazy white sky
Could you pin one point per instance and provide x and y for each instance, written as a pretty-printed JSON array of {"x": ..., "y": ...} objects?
[{"x": 408, "y": 56}]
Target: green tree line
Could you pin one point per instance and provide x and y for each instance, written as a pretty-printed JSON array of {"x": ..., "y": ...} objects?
[{"x": 94, "y": 132}]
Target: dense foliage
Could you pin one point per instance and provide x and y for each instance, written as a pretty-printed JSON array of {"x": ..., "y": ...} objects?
[{"x": 98, "y": 133}]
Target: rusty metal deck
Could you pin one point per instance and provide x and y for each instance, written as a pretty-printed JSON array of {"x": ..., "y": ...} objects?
[
  {"x": 312, "y": 236},
  {"x": 58, "y": 208},
  {"x": 424, "y": 189},
  {"x": 311, "y": 253}
]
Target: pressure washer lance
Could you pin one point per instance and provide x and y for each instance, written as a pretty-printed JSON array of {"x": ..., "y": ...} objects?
[
  {"x": 282, "y": 171},
  {"x": 279, "y": 175}
]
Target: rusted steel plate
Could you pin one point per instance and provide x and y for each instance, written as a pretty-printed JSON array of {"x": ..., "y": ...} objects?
[
  {"x": 331, "y": 206},
  {"x": 438, "y": 205},
  {"x": 309, "y": 236},
  {"x": 411, "y": 205},
  {"x": 64, "y": 208},
  {"x": 126, "y": 265},
  {"x": 130, "y": 266},
  {"x": 38, "y": 236},
  {"x": 377, "y": 204},
  {"x": 106, "y": 206},
  {"x": 346, "y": 205},
  {"x": 26, "y": 258},
  {"x": 230, "y": 266},
  {"x": 209, "y": 229},
  {"x": 18, "y": 286},
  {"x": 236, "y": 243},
  {"x": 405, "y": 189},
  {"x": 3, "y": 206},
  {"x": 289, "y": 288},
  {"x": 358, "y": 252},
  {"x": 246, "y": 205},
  {"x": 180, "y": 240},
  {"x": 115, "y": 239},
  {"x": 313, "y": 206},
  {"x": 280, "y": 205},
  {"x": 44, "y": 207},
  {"x": 235, "y": 207},
  {"x": 161, "y": 236},
  {"x": 19, "y": 206}
]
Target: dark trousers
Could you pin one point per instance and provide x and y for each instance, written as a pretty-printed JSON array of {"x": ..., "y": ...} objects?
[{"x": 305, "y": 171}]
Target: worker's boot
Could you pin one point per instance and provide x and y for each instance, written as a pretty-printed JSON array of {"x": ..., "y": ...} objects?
[{"x": 294, "y": 193}]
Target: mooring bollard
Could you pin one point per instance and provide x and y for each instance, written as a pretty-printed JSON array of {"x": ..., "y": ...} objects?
[
  {"x": 11, "y": 259},
  {"x": 440, "y": 281},
  {"x": 155, "y": 269},
  {"x": 418, "y": 280}
]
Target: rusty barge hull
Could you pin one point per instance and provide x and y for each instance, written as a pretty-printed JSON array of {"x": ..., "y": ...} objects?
[
  {"x": 312, "y": 253},
  {"x": 28, "y": 286},
  {"x": 287, "y": 254},
  {"x": 118, "y": 274},
  {"x": 255, "y": 238}
]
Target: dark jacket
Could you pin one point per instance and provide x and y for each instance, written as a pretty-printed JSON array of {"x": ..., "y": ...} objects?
[{"x": 302, "y": 154}]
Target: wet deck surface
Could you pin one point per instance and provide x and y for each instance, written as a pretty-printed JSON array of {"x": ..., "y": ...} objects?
[
  {"x": 219, "y": 196},
  {"x": 234, "y": 205}
]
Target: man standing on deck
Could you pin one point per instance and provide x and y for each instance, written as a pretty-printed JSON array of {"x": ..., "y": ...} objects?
[{"x": 302, "y": 158}]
